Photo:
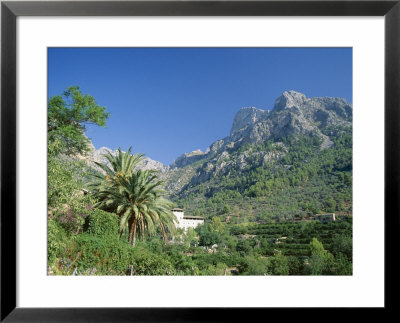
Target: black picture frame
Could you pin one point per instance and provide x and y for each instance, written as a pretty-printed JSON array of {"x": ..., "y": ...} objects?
[{"x": 10, "y": 10}]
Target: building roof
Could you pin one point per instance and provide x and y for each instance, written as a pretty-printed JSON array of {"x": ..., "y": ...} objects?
[
  {"x": 177, "y": 209},
  {"x": 193, "y": 217}
]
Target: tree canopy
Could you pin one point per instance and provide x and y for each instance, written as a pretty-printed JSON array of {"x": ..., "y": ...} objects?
[
  {"x": 68, "y": 115},
  {"x": 135, "y": 196}
]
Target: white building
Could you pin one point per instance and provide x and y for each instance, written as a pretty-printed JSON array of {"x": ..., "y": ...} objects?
[{"x": 186, "y": 221}]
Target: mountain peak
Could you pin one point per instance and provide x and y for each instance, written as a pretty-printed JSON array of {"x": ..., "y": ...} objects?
[
  {"x": 245, "y": 117},
  {"x": 289, "y": 99}
]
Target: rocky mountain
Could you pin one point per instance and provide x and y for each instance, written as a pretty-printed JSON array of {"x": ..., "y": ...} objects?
[
  {"x": 189, "y": 158},
  {"x": 293, "y": 115}
]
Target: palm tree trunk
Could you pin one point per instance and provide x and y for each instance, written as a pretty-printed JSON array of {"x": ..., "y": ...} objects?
[
  {"x": 134, "y": 232},
  {"x": 141, "y": 218},
  {"x": 131, "y": 226}
]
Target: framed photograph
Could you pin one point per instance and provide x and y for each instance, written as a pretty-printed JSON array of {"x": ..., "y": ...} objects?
[{"x": 172, "y": 160}]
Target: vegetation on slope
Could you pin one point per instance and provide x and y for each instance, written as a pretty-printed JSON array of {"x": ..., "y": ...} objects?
[
  {"x": 78, "y": 228},
  {"x": 306, "y": 181},
  {"x": 249, "y": 206}
]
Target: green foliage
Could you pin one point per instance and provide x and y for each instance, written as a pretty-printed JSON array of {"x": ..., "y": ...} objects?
[
  {"x": 207, "y": 237},
  {"x": 183, "y": 264},
  {"x": 214, "y": 270},
  {"x": 342, "y": 243},
  {"x": 147, "y": 263},
  {"x": 66, "y": 200},
  {"x": 258, "y": 201},
  {"x": 67, "y": 116},
  {"x": 135, "y": 196},
  {"x": 119, "y": 166},
  {"x": 306, "y": 181},
  {"x": 343, "y": 265},
  {"x": 316, "y": 247},
  {"x": 103, "y": 224},
  {"x": 265, "y": 252},
  {"x": 254, "y": 266},
  {"x": 190, "y": 239},
  {"x": 57, "y": 241},
  {"x": 296, "y": 265},
  {"x": 109, "y": 256},
  {"x": 61, "y": 183},
  {"x": 226, "y": 209},
  {"x": 216, "y": 225},
  {"x": 321, "y": 261},
  {"x": 237, "y": 229},
  {"x": 279, "y": 265},
  {"x": 243, "y": 247}
]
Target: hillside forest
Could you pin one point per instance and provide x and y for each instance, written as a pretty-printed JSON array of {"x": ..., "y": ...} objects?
[{"x": 113, "y": 217}]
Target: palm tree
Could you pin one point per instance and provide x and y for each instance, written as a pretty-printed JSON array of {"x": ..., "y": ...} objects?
[
  {"x": 136, "y": 196},
  {"x": 121, "y": 164}
]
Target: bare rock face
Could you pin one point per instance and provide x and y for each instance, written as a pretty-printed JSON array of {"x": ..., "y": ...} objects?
[
  {"x": 293, "y": 114},
  {"x": 318, "y": 112},
  {"x": 188, "y": 158},
  {"x": 97, "y": 155},
  {"x": 148, "y": 163},
  {"x": 290, "y": 99},
  {"x": 216, "y": 146},
  {"x": 246, "y": 117}
]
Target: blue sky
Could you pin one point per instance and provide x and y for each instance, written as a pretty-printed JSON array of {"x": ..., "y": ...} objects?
[{"x": 167, "y": 101}]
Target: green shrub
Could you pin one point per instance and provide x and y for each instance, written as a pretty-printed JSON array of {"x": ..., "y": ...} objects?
[
  {"x": 254, "y": 266},
  {"x": 342, "y": 265},
  {"x": 111, "y": 256},
  {"x": 145, "y": 262},
  {"x": 243, "y": 247},
  {"x": 279, "y": 265},
  {"x": 56, "y": 241},
  {"x": 219, "y": 269},
  {"x": 103, "y": 224}
]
